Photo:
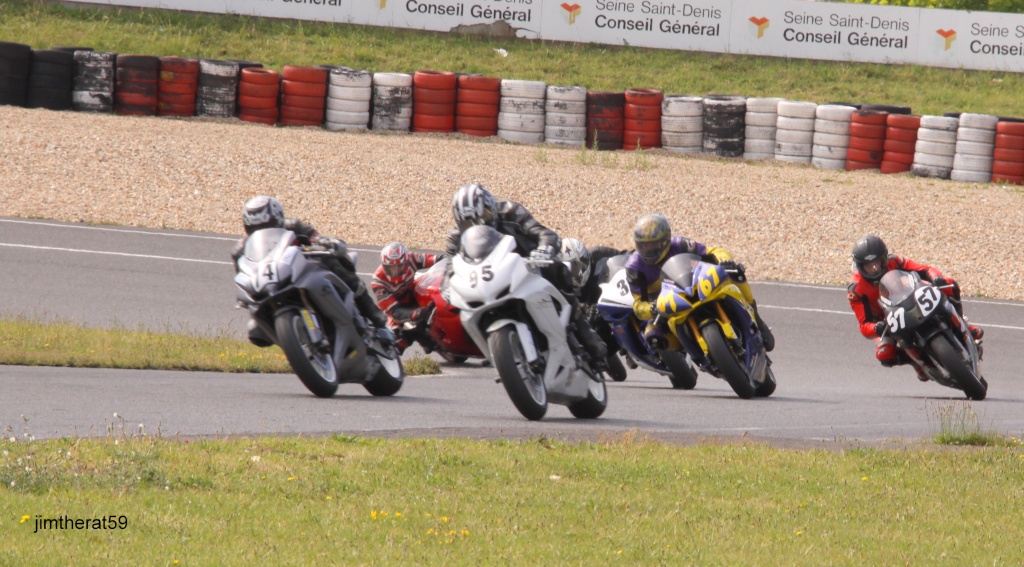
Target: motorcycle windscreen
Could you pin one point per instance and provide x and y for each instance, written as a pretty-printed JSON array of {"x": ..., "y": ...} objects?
[
  {"x": 895, "y": 286},
  {"x": 679, "y": 269},
  {"x": 261, "y": 243},
  {"x": 431, "y": 279},
  {"x": 478, "y": 242}
]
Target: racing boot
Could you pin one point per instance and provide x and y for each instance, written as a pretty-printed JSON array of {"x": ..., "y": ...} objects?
[
  {"x": 368, "y": 308},
  {"x": 766, "y": 332},
  {"x": 592, "y": 342}
]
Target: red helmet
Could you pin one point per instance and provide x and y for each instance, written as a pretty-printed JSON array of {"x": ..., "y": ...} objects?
[{"x": 396, "y": 263}]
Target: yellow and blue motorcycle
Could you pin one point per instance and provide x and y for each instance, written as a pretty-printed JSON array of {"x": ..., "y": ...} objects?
[{"x": 706, "y": 311}]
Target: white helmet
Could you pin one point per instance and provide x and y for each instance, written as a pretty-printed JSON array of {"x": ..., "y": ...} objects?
[
  {"x": 577, "y": 256},
  {"x": 472, "y": 205},
  {"x": 262, "y": 212}
]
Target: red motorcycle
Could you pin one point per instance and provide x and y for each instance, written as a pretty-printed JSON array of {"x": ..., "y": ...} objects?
[{"x": 442, "y": 332}]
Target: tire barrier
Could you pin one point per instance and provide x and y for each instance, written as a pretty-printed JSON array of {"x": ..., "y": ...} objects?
[
  {"x": 477, "y": 103},
  {"x": 794, "y": 131},
  {"x": 178, "y": 85},
  {"x": 867, "y": 139},
  {"x": 392, "y": 102},
  {"x": 15, "y": 66},
  {"x": 137, "y": 83},
  {"x": 723, "y": 125},
  {"x": 642, "y": 119},
  {"x": 606, "y": 120},
  {"x": 50, "y": 80},
  {"x": 831, "y": 140},
  {"x": 935, "y": 146},
  {"x": 433, "y": 101},
  {"x": 975, "y": 146},
  {"x": 93, "y": 87},
  {"x": 303, "y": 95},
  {"x": 682, "y": 124},
  {"x": 258, "y": 93},
  {"x": 217, "y": 88},
  {"x": 1008, "y": 154},
  {"x": 242, "y": 66},
  {"x": 348, "y": 99},
  {"x": 760, "y": 128},
  {"x": 565, "y": 116},
  {"x": 521, "y": 111},
  {"x": 900, "y": 141}
]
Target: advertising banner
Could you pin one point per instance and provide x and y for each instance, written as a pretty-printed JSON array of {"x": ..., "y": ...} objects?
[
  {"x": 521, "y": 18},
  {"x": 972, "y": 40}
]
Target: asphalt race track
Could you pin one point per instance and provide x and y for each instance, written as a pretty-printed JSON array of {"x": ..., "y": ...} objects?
[{"x": 830, "y": 387}]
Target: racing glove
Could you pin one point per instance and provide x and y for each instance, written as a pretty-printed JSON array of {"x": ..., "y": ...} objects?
[{"x": 880, "y": 328}]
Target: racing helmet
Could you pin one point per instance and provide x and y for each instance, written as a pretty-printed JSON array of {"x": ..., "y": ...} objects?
[
  {"x": 473, "y": 204},
  {"x": 578, "y": 257},
  {"x": 262, "y": 212},
  {"x": 396, "y": 263},
  {"x": 652, "y": 237},
  {"x": 867, "y": 250}
]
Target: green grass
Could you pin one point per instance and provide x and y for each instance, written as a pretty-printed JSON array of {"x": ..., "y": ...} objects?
[
  {"x": 280, "y": 42},
  {"x": 625, "y": 501}
]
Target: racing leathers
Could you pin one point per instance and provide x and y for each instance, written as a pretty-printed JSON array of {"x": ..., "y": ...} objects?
[{"x": 396, "y": 299}]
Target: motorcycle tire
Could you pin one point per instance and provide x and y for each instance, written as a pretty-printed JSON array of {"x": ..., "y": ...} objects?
[
  {"x": 616, "y": 370},
  {"x": 315, "y": 369},
  {"x": 766, "y": 388},
  {"x": 390, "y": 377},
  {"x": 954, "y": 364},
  {"x": 594, "y": 404},
  {"x": 683, "y": 375},
  {"x": 528, "y": 393},
  {"x": 723, "y": 358}
]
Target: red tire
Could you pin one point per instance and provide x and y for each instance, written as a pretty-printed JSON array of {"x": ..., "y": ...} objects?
[
  {"x": 177, "y": 88},
  {"x": 133, "y": 99},
  {"x": 431, "y": 79},
  {"x": 258, "y": 119},
  {"x": 476, "y": 123},
  {"x": 480, "y": 133},
  {"x": 258, "y": 90},
  {"x": 137, "y": 87},
  {"x": 864, "y": 156},
  {"x": 135, "y": 110},
  {"x": 899, "y": 157},
  {"x": 179, "y": 110},
  {"x": 871, "y": 117},
  {"x": 904, "y": 121},
  {"x": 1010, "y": 141},
  {"x": 867, "y": 144},
  {"x": 645, "y": 140},
  {"x": 302, "y": 89},
  {"x": 176, "y": 77},
  {"x": 1011, "y": 128},
  {"x": 182, "y": 99},
  {"x": 852, "y": 165},
  {"x": 900, "y": 134},
  {"x": 434, "y": 123},
  {"x": 433, "y": 109},
  {"x": 133, "y": 74},
  {"x": 861, "y": 130},
  {"x": 631, "y": 125},
  {"x": 891, "y": 145},
  {"x": 478, "y": 96},
  {"x": 271, "y": 112},
  {"x": 610, "y": 124},
  {"x": 1004, "y": 154},
  {"x": 257, "y": 102},
  {"x": 894, "y": 167},
  {"x": 479, "y": 83},
  {"x": 260, "y": 76},
  {"x": 300, "y": 122},
  {"x": 472, "y": 109},
  {"x": 303, "y": 114},
  {"x": 179, "y": 65},
  {"x": 296, "y": 101},
  {"x": 1011, "y": 168},
  {"x": 1015, "y": 180},
  {"x": 643, "y": 112},
  {"x": 304, "y": 74},
  {"x": 648, "y": 97},
  {"x": 606, "y": 111},
  {"x": 436, "y": 96}
]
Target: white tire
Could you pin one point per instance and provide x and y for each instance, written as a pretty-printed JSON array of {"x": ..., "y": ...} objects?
[
  {"x": 518, "y": 105},
  {"x": 564, "y": 133},
  {"x": 685, "y": 149},
  {"x": 978, "y": 121},
  {"x": 975, "y": 148},
  {"x": 393, "y": 92},
  {"x": 757, "y": 155},
  {"x": 561, "y": 142},
  {"x": 794, "y": 136},
  {"x": 403, "y": 112},
  {"x": 522, "y": 137},
  {"x": 523, "y": 89},
  {"x": 682, "y": 123},
  {"x": 940, "y": 136},
  {"x": 966, "y": 162},
  {"x": 760, "y": 132},
  {"x": 793, "y": 159},
  {"x": 947, "y": 123},
  {"x": 976, "y": 135},
  {"x": 389, "y": 123},
  {"x": 348, "y": 117},
  {"x": 826, "y": 163},
  {"x": 562, "y": 119},
  {"x": 760, "y": 119},
  {"x": 935, "y": 148},
  {"x": 532, "y": 123},
  {"x": 218, "y": 68},
  {"x": 759, "y": 146},
  {"x": 790, "y": 123},
  {"x": 969, "y": 176},
  {"x": 931, "y": 171},
  {"x": 92, "y": 97},
  {"x": 350, "y": 93},
  {"x": 570, "y": 94},
  {"x": 836, "y": 140},
  {"x": 839, "y": 127},
  {"x": 763, "y": 105},
  {"x": 337, "y": 126},
  {"x": 933, "y": 160},
  {"x": 346, "y": 105},
  {"x": 725, "y": 104},
  {"x": 344, "y": 77},
  {"x": 682, "y": 139},
  {"x": 793, "y": 150},
  {"x": 392, "y": 80},
  {"x": 564, "y": 106},
  {"x": 682, "y": 106},
  {"x": 829, "y": 152},
  {"x": 834, "y": 112},
  {"x": 797, "y": 109}
]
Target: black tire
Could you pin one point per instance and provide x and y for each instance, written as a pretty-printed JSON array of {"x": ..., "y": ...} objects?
[
  {"x": 390, "y": 377},
  {"x": 766, "y": 388},
  {"x": 722, "y": 356},
  {"x": 957, "y": 368},
  {"x": 594, "y": 404},
  {"x": 616, "y": 370},
  {"x": 528, "y": 393},
  {"x": 292, "y": 336},
  {"x": 684, "y": 376}
]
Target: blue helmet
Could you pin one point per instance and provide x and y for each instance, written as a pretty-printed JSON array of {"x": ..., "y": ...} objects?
[{"x": 652, "y": 237}]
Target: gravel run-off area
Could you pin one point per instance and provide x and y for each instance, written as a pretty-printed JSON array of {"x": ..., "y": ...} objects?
[{"x": 784, "y": 222}]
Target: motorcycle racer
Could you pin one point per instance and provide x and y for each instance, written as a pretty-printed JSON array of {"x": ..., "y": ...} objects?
[{"x": 393, "y": 283}]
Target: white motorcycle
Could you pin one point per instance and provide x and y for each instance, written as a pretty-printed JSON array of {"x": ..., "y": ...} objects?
[{"x": 520, "y": 321}]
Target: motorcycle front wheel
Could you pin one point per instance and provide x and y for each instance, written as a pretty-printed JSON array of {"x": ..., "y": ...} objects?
[
  {"x": 594, "y": 404},
  {"x": 390, "y": 377},
  {"x": 616, "y": 370},
  {"x": 957, "y": 368},
  {"x": 683, "y": 376},
  {"x": 313, "y": 366},
  {"x": 524, "y": 386},
  {"x": 723, "y": 358}
]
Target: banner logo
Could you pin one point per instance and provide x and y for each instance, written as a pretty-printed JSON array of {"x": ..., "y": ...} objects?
[
  {"x": 949, "y": 36},
  {"x": 761, "y": 24},
  {"x": 573, "y": 10}
]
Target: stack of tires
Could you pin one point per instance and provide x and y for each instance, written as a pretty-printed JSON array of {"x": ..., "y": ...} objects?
[
  {"x": 606, "y": 119},
  {"x": 477, "y": 101},
  {"x": 217, "y": 89},
  {"x": 867, "y": 139},
  {"x": 900, "y": 141},
  {"x": 760, "y": 128},
  {"x": 258, "y": 92},
  {"x": 392, "y": 102},
  {"x": 1008, "y": 164},
  {"x": 179, "y": 81},
  {"x": 682, "y": 124},
  {"x": 975, "y": 146},
  {"x": 433, "y": 101},
  {"x": 935, "y": 147},
  {"x": 51, "y": 79},
  {"x": 831, "y": 136},
  {"x": 242, "y": 66},
  {"x": 15, "y": 66},
  {"x": 724, "y": 127},
  {"x": 521, "y": 111},
  {"x": 348, "y": 99},
  {"x": 303, "y": 95},
  {"x": 642, "y": 125},
  {"x": 136, "y": 92},
  {"x": 565, "y": 116},
  {"x": 93, "y": 89},
  {"x": 794, "y": 132}
]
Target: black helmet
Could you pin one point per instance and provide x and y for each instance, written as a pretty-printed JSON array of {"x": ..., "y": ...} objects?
[
  {"x": 867, "y": 250},
  {"x": 652, "y": 237},
  {"x": 473, "y": 204},
  {"x": 262, "y": 212}
]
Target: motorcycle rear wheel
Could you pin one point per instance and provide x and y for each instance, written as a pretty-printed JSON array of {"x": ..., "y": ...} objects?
[
  {"x": 957, "y": 368},
  {"x": 766, "y": 388},
  {"x": 616, "y": 370},
  {"x": 390, "y": 377},
  {"x": 524, "y": 386},
  {"x": 315, "y": 368},
  {"x": 723, "y": 358},
  {"x": 683, "y": 376}
]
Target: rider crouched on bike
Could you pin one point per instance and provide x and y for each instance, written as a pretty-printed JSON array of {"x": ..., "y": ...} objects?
[
  {"x": 871, "y": 260},
  {"x": 393, "y": 284},
  {"x": 266, "y": 212},
  {"x": 475, "y": 205},
  {"x": 654, "y": 245}
]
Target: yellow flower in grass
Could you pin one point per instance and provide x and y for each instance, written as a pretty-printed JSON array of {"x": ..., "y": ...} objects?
[{"x": 24, "y": 518}]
